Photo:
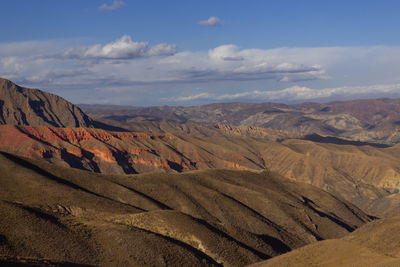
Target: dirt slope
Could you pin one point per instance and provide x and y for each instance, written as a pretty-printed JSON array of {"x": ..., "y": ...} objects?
[
  {"x": 374, "y": 244},
  {"x": 200, "y": 218}
]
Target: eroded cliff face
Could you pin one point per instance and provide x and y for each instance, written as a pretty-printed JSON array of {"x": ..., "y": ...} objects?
[
  {"x": 23, "y": 106},
  {"x": 116, "y": 152}
]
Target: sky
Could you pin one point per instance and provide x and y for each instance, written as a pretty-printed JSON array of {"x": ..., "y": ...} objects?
[{"x": 151, "y": 53}]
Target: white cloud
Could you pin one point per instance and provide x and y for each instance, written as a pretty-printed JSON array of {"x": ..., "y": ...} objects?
[
  {"x": 211, "y": 21},
  {"x": 228, "y": 52},
  {"x": 300, "y": 93},
  {"x": 233, "y": 72},
  {"x": 11, "y": 64},
  {"x": 163, "y": 50},
  {"x": 228, "y": 62},
  {"x": 115, "y": 5},
  {"x": 123, "y": 48},
  {"x": 188, "y": 98}
]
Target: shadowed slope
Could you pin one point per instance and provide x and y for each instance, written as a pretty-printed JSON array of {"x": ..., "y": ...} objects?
[
  {"x": 23, "y": 106},
  {"x": 197, "y": 218}
]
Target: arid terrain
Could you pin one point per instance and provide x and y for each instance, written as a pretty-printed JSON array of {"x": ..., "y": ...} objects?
[
  {"x": 360, "y": 174},
  {"x": 223, "y": 184},
  {"x": 375, "y": 120},
  {"x": 374, "y": 244},
  {"x": 207, "y": 217}
]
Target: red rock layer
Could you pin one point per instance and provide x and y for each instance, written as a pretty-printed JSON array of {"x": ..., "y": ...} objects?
[{"x": 113, "y": 152}]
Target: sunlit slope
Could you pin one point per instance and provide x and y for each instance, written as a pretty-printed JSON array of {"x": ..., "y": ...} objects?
[
  {"x": 210, "y": 217},
  {"x": 374, "y": 244}
]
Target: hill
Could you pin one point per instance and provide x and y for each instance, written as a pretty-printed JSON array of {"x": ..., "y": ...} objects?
[
  {"x": 374, "y": 244},
  {"x": 212, "y": 217}
]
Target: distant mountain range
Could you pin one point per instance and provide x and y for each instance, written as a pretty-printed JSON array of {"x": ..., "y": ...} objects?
[{"x": 374, "y": 120}]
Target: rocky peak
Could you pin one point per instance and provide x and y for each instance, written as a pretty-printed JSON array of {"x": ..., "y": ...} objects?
[{"x": 23, "y": 106}]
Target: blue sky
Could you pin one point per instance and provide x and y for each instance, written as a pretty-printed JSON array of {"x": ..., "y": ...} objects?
[{"x": 197, "y": 52}]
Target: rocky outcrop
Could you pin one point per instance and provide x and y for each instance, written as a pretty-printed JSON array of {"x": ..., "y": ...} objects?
[{"x": 23, "y": 106}]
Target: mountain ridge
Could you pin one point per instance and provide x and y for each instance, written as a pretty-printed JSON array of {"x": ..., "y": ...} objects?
[{"x": 24, "y": 106}]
